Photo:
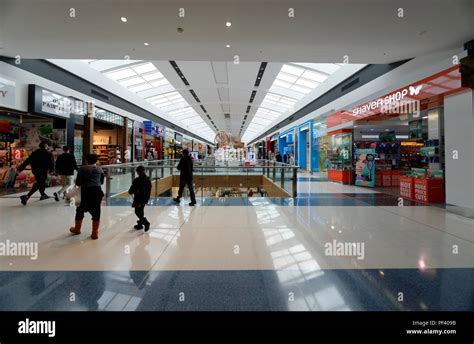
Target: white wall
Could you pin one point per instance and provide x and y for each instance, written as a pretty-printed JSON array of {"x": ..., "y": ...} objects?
[
  {"x": 22, "y": 78},
  {"x": 459, "y": 136}
]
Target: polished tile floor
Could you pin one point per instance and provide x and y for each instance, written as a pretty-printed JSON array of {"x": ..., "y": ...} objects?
[{"x": 334, "y": 247}]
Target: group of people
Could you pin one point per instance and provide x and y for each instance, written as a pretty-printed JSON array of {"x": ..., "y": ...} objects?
[
  {"x": 90, "y": 179},
  {"x": 288, "y": 158}
]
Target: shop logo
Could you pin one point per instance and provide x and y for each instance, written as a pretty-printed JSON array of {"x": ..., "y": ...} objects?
[
  {"x": 3, "y": 93},
  {"x": 391, "y": 100},
  {"x": 414, "y": 91},
  {"x": 345, "y": 249},
  {"x": 37, "y": 327}
]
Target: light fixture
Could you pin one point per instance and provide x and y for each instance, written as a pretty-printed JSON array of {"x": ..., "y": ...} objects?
[
  {"x": 372, "y": 129},
  {"x": 124, "y": 19},
  {"x": 424, "y": 117},
  {"x": 228, "y": 24},
  {"x": 146, "y": 44},
  {"x": 387, "y": 129},
  {"x": 227, "y": 46}
]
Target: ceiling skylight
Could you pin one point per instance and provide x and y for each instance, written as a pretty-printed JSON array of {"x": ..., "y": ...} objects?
[
  {"x": 144, "y": 79},
  {"x": 292, "y": 84}
]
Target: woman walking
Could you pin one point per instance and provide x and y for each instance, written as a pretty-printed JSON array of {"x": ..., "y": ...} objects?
[{"x": 90, "y": 179}]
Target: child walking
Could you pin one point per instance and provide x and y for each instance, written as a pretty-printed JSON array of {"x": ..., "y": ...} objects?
[{"x": 141, "y": 190}]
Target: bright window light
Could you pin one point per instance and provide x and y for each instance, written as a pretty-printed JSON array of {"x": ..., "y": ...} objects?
[{"x": 138, "y": 76}]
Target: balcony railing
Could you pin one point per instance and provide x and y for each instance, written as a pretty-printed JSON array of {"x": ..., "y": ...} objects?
[{"x": 120, "y": 176}]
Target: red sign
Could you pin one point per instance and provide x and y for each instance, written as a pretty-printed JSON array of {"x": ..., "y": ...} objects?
[{"x": 406, "y": 187}]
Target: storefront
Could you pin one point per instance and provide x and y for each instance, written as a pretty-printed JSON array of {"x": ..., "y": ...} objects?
[
  {"x": 51, "y": 118},
  {"x": 287, "y": 144},
  {"x": 398, "y": 139},
  {"x": 319, "y": 147},
  {"x": 109, "y": 140},
  {"x": 339, "y": 156},
  {"x": 305, "y": 146},
  {"x": 153, "y": 140}
]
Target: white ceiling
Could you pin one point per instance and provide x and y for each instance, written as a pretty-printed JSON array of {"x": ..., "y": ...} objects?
[
  {"x": 367, "y": 31},
  {"x": 224, "y": 89},
  {"x": 321, "y": 31}
]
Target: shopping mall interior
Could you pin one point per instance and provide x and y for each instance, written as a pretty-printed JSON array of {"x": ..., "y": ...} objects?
[{"x": 332, "y": 149}]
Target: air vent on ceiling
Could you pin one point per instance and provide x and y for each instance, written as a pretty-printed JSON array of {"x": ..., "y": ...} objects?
[
  {"x": 98, "y": 94},
  {"x": 203, "y": 109},
  {"x": 179, "y": 72},
  {"x": 252, "y": 96},
  {"x": 350, "y": 84},
  {"x": 227, "y": 115},
  {"x": 261, "y": 70},
  {"x": 194, "y": 95},
  {"x": 248, "y": 109}
]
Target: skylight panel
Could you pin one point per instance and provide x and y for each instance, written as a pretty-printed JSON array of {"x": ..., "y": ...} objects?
[
  {"x": 153, "y": 76},
  {"x": 160, "y": 83},
  {"x": 140, "y": 88},
  {"x": 121, "y": 74},
  {"x": 292, "y": 70},
  {"x": 144, "y": 68},
  {"x": 319, "y": 77},
  {"x": 131, "y": 82}
]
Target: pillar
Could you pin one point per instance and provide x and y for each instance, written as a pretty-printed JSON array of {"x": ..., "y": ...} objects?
[
  {"x": 88, "y": 143},
  {"x": 459, "y": 137}
]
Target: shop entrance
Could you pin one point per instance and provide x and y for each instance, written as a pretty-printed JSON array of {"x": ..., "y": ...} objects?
[
  {"x": 106, "y": 141},
  {"x": 402, "y": 155},
  {"x": 304, "y": 149}
]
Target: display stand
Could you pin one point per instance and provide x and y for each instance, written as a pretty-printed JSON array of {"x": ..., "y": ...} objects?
[{"x": 429, "y": 190}]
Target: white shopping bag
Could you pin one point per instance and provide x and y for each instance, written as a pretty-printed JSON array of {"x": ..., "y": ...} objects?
[{"x": 73, "y": 196}]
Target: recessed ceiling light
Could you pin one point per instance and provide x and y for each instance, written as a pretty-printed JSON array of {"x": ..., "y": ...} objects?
[
  {"x": 227, "y": 46},
  {"x": 371, "y": 129},
  {"x": 124, "y": 19},
  {"x": 146, "y": 43},
  {"x": 228, "y": 24}
]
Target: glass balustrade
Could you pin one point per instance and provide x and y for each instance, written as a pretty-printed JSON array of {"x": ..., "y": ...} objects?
[{"x": 273, "y": 174}]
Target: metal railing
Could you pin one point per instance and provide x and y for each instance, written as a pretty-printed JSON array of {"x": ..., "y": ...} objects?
[{"x": 120, "y": 176}]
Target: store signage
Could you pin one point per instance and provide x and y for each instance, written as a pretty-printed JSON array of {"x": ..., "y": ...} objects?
[
  {"x": 55, "y": 104},
  {"x": 7, "y": 92},
  {"x": 109, "y": 117},
  {"x": 47, "y": 102},
  {"x": 388, "y": 102}
]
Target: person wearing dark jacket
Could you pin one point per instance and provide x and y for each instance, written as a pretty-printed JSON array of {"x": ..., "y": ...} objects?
[
  {"x": 65, "y": 166},
  {"x": 41, "y": 162},
  {"x": 278, "y": 157},
  {"x": 185, "y": 167},
  {"x": 141, "y": 191},
  {"x": 90, "y": 179}
]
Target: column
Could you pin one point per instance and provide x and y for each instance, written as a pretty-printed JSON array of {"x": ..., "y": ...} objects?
[
  {"x": 88, "y": 144},
  {"x": 459, "y": 137}
]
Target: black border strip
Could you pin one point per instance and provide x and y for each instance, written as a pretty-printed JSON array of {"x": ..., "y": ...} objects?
[
  {"x": 63, "y": 77},
  {"x": 364, "y": 76}
]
